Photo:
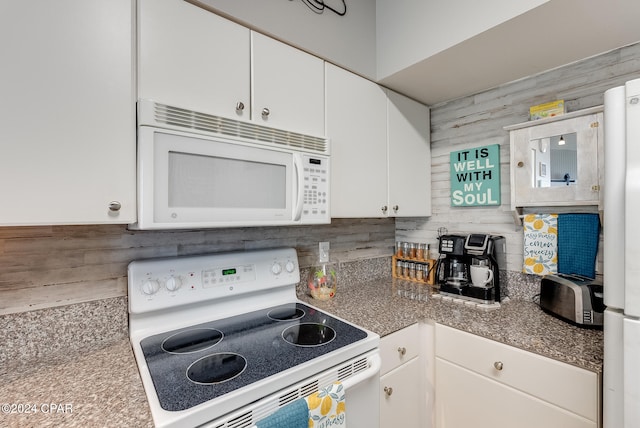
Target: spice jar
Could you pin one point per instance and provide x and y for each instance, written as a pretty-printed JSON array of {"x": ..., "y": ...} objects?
[
  {"x": 420, "y": 272},
  {"x": 399, "y": 248},
  {"x": 426, "y": 270},
  {"x": 406, "y": 250},
  {"x": 412, "y": 271},
  {"x": 405, "y": 270},
  {"x": 420, "y": 251},
  {"x": 412, "y": 250}
]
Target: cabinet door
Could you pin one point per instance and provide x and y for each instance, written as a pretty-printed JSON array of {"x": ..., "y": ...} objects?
[
  {"x": 400, "y": 397},
  {"x": 557, "y": 163},
  {"x": 409, "y": 157},
  {"x": 191, "y": 58},
  {"x": 287, "y": 85},
  {"x": 68, "y": 133},
  {"x": 466, "y": 399},
  {"x": 356, "y": 127}
]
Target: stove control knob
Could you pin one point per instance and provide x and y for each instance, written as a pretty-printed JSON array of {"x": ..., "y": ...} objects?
[
  {"x": 276, "y": 268},
  {"x": 150, "y": 287},
  {"x": 173, "y": 283},
  {"x": 290, "y": 266}
]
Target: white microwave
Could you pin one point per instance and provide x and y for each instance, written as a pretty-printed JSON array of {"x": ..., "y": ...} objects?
[{"x": 201, "y": 171}]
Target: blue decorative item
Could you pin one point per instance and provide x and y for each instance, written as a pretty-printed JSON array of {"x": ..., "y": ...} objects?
[
  {"x": 293, "y": 415},
  {"x": 578, "y": 236}
]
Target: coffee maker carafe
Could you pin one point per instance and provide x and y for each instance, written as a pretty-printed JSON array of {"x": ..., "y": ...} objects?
[{"x": 452, "y": 268}]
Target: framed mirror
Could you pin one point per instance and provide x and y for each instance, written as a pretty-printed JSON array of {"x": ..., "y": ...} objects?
[{"x": 557, "y": 162}]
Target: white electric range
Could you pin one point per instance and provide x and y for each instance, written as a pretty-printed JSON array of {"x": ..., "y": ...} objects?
[{"x": 222, "y": 341}]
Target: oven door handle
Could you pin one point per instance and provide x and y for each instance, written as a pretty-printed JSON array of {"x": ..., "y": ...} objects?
[{"x": 372, "y": 370}]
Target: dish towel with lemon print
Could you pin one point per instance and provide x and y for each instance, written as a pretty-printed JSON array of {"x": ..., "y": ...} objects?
[
  {"x": 322, "y": 409},
  {"x": 540, "y": 244},
  {"x": 327, "y": 407}
]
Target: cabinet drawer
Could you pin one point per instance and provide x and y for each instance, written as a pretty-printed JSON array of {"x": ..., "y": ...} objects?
[
  {"x": 491, "y": 404},
  {"x": 564, "y": 385},
  {"x": 399, "y": 347}
]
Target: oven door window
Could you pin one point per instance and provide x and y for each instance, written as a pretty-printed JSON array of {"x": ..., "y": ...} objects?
[{"x": 207, "y": 180}]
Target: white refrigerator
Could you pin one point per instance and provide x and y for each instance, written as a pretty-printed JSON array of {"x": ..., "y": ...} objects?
[{"x": 621, "y": 377}]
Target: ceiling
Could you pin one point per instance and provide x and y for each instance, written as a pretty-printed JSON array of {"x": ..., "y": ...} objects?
[{"x": 557, "y": 33}]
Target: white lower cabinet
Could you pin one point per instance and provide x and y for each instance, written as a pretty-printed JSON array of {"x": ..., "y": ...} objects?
[
  {"x": 401, "y": 387},
  {"x": 483, "y": 383}
]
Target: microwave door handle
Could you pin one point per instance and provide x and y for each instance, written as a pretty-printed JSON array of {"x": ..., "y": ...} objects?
[{"x": 297, "y": 163}]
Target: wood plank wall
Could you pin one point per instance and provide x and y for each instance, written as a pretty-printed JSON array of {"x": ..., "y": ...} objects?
[
  {"x": 57, "y": 265},
  {"x": 478, "y": 121}
]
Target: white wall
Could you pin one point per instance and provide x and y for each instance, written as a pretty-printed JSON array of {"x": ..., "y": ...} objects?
[
  {"x": 478, "y": 121},
  {"x": 348, "y": 41},
  {"x": 409, "y": 31}
]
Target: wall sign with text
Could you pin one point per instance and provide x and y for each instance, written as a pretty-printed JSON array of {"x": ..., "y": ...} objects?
[{"x": 475, "y": 176}]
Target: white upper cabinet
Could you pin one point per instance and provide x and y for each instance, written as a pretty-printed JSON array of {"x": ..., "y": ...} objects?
[
  {"x": 288, "y": 87},
  {"x": 409, "y": 157},
  {"x": 68, "y": 133},
  {"x": 380, "y": 149},
  {"x": 357, "y": 129},
  {"x": 192, "y": 58}
]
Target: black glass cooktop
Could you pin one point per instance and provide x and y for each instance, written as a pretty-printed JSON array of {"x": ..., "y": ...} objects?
[{"x": 193, "y": 365}]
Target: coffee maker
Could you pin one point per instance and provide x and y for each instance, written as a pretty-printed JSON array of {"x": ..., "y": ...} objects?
[{"x": 460, "y": 256}]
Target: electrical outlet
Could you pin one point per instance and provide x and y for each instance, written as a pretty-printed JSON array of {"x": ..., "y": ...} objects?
[{"x": 323, "y": 252}]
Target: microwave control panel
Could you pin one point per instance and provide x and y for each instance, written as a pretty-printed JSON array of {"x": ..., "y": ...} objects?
[{"x": 315, "y": 204}]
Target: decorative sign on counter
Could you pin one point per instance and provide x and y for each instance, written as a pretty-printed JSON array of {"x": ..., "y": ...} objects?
[{"x": 475, "y": 176}]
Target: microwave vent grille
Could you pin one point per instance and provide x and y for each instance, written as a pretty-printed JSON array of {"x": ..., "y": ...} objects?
[{"x": 196, "y": 121}]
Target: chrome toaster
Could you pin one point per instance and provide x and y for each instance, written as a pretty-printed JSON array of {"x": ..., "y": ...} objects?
[{"x": 574, "y": 299}]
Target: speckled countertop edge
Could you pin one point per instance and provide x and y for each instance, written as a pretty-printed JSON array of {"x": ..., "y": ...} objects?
[{"x": 517, "y": 323}]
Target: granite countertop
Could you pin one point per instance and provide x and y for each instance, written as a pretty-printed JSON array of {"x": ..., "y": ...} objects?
[
  {"x": 99, "y": 385},
  {"x": 518, "y": 323},
  {"x": 95, "y": 387}
]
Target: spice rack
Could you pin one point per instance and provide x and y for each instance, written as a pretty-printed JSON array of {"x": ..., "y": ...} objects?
[{"x": 428, "y": 279}]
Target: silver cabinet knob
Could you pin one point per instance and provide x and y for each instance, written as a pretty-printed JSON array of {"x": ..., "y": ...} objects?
[
  {"x": 114, "y": 206},
  {"x": 265, "y": 112},
  {"x": 388, "y": 390},
  {"x": 384, "y": 209},
  {"x": 239, "y": 106},
  {"x": 402, "y": 350},
  {"x": 498, "y": 365},
  {"x": 395, "y": 208}
]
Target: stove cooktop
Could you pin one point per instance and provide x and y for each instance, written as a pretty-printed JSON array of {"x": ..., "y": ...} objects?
[{"x": 192, "y": 365}]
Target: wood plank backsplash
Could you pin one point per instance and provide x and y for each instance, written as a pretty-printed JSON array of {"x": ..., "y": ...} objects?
[
  {"x": 48, "y": 266},
  {"x": 478, "y": 120}
]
